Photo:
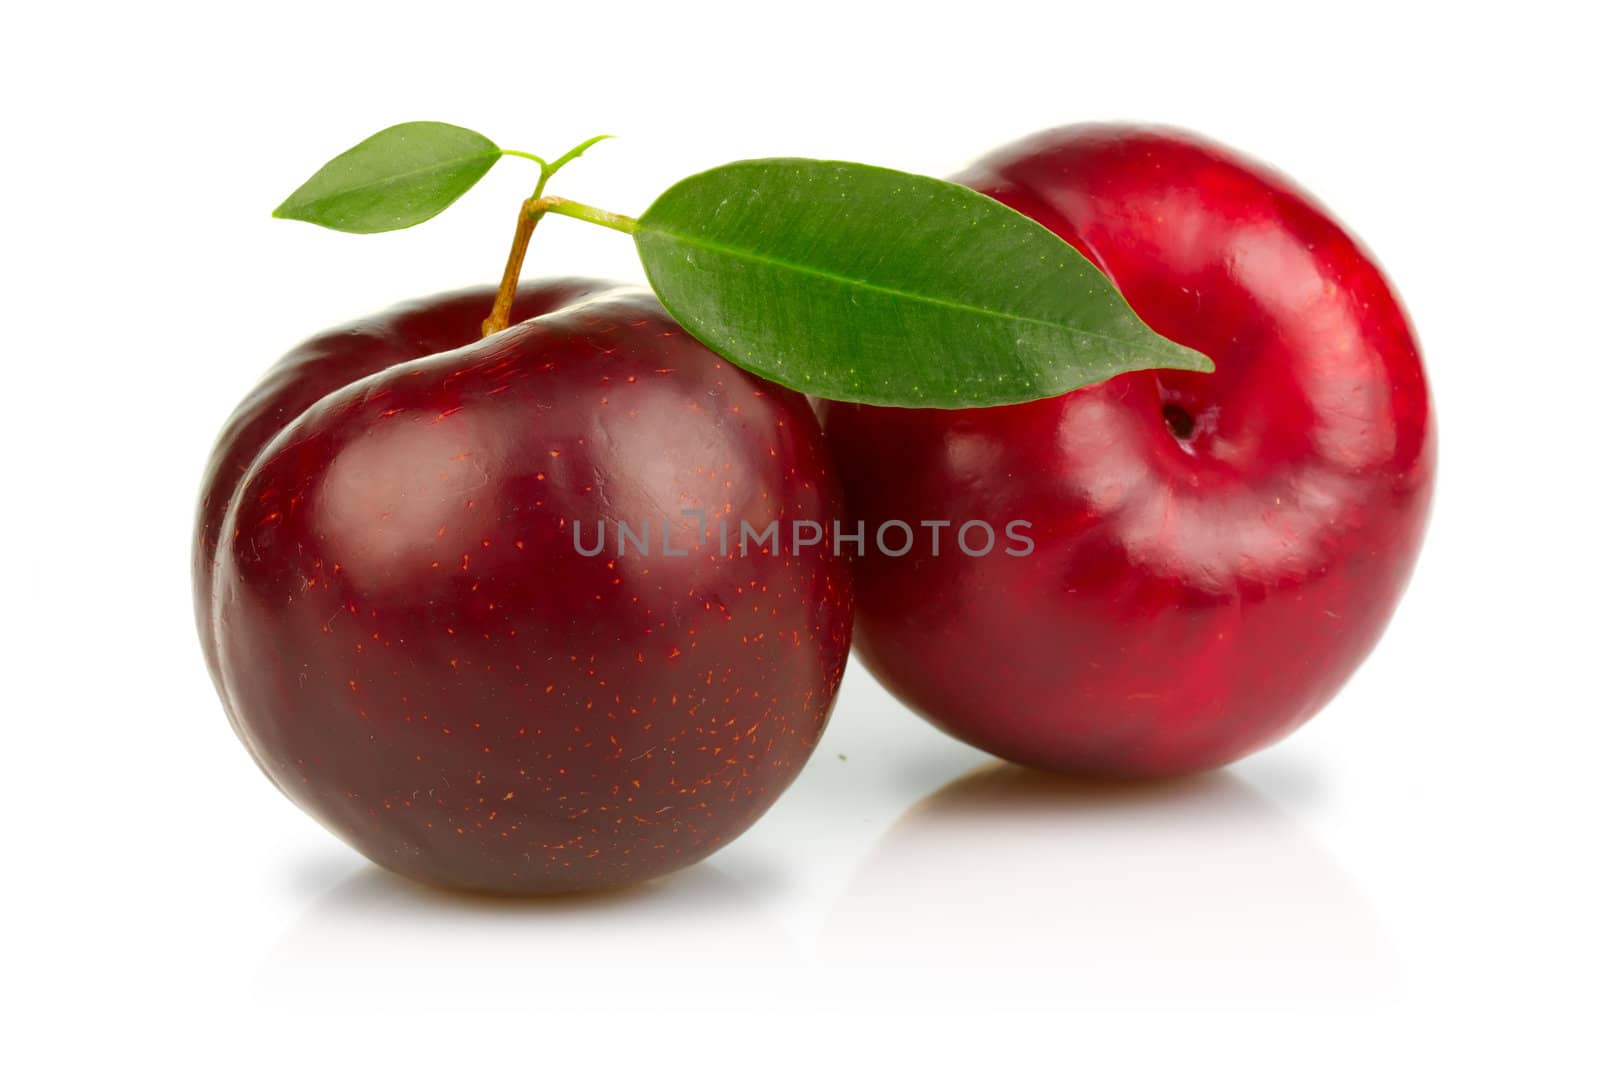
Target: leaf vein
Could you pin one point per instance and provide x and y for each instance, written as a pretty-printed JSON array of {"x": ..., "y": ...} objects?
[
  {"x": 757, "y": 257},
  {"x": 392, "y": 179}
]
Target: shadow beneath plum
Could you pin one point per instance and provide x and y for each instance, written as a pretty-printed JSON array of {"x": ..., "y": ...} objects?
[{"x": 373, "y": 937}]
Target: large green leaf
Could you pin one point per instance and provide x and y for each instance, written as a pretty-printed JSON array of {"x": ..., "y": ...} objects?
[
  {"x": 396, "y": 178},
  {"x": 858, "y": 283}
]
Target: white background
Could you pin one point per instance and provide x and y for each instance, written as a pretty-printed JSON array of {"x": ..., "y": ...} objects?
[{"x": 1410, "y": 876}]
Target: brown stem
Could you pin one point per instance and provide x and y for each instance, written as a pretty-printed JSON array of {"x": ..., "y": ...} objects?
[
  {"x": 500, "y": 317},
  {"x": 533, "y": 210}
]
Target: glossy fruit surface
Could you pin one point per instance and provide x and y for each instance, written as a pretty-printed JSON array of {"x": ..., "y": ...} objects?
[
  {"x": 409, "y": 642},
  {"x": 1214, "y": 554}
]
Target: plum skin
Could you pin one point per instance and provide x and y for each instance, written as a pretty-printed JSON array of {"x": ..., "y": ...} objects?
[
  {"x": 1216, "y": 554},
  {"x": 405, "y": 639}
]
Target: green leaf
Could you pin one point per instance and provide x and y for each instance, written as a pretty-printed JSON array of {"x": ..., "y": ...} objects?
[
  {"x": 396, "y": 178},
  {"x": 857, "y": 283}
]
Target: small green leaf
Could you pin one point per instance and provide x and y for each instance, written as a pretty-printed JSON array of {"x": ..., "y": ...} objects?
[
  {"x": 857, "y": 283},
  {"x": 396, "y": 178}
]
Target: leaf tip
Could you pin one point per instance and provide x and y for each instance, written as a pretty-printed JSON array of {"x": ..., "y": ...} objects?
[
  {"x": 1177, "y": 356},
  {"x": 294, "y": 210}
]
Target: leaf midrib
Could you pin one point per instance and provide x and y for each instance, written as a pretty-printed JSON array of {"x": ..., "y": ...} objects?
[
  {"x": 739, "y": 253},
  {"x": 393, "y": 178}
]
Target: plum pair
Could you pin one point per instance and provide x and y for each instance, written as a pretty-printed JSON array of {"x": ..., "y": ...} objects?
[{"x": 407, "y": 631}]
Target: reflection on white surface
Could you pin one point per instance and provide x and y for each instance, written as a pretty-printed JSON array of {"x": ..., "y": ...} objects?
[
  {"x": 377, "y": 943},
  {"x": 1193, "y": 890},
  {"x": 1043, "y": 890}
]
